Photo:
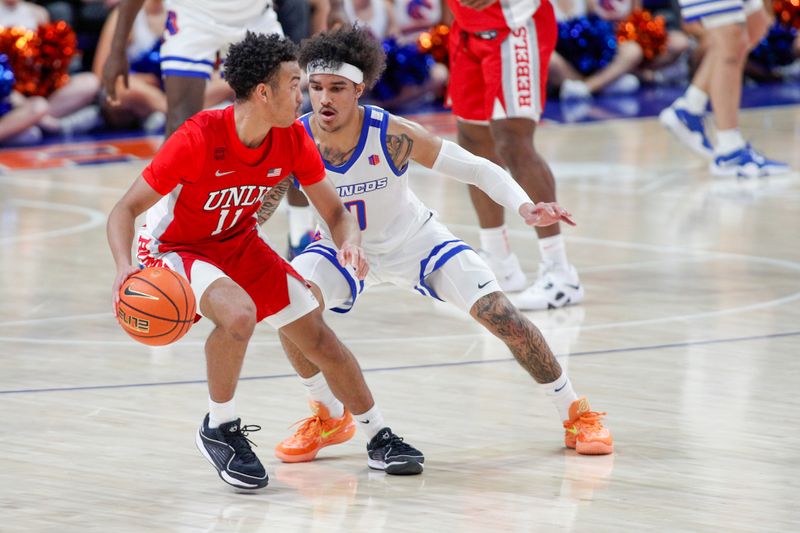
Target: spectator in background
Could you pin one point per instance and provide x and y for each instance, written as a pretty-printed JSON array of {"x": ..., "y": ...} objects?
[
  {"x": 143, "y": 103},
  {"x": 411, "y": 77},
  {"x": 18, "y": 118},
  {"x": 68, "y": 110},
  {"x": 611, "y": 73}
]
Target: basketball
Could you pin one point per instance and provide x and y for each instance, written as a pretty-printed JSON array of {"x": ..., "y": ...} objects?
[{"x": 156, "y": 306}]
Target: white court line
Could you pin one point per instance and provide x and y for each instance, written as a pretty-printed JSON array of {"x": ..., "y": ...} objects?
[
  {"x": 48, "y": 183},
  {"x": 791, "y": 265},
  {"x": 96, "y": 218}
]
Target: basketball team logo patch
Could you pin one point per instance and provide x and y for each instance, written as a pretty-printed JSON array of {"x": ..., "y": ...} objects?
[{"x": 374, "y": 160}]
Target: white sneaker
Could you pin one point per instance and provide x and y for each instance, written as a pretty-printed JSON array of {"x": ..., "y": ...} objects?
[
  {"x": 574, "y": 90},
  {"x": 625, "y": 84},
  {"x": 509, "y": 273},
  {"x": 554, "y": 288}
]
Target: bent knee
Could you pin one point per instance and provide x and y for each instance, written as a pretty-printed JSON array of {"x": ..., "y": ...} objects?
[{"x": 241, "y": 322}]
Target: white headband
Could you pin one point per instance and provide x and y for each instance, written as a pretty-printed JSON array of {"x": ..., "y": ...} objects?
[{"x": 345, "y": 70}]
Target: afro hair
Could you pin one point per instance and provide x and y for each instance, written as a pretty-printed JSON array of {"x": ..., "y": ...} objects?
[
  {"x": 348, "y": 45},
  {"x": 256, "y": 59}
]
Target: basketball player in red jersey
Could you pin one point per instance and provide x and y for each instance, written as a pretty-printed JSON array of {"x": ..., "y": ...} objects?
[
  {"x": 499, "y": 53},
  {"x": 203, "y": 192}
]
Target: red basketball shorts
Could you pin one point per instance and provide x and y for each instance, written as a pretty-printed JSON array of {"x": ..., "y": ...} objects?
[
  {"x": 502, "y": 73},
  {"x": 246, "y": 259}
]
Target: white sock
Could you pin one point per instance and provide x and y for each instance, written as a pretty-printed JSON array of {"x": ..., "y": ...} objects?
[
  {"x": 221, "y": 413},
  {"x": 371, "y": 421},
  {"x": 319, "y": 391},
  {"x": 695, "y": 100},
  {"x": 728, "y": 141},
  {"x": 553, "y": 251},
  {"x": 301, "y": 221},
  {"x": 561, "y": 393},
  {"x": 494, "y": 241}
]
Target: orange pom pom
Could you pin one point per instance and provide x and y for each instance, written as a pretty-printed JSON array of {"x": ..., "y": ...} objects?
[{"x": 650, "y": 32}]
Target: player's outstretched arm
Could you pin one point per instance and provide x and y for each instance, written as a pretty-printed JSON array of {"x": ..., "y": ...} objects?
[
  {"x": 343, "y": 225},
  {"x": 120, "y": 229}
]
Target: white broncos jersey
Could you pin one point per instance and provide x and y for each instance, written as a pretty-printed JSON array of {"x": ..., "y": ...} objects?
[
  {"x": 230, "y": 12},
  {"x": 376, "y": 192}
]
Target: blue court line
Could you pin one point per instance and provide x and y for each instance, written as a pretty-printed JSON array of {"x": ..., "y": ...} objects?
[{"x": 427, "y": 365}]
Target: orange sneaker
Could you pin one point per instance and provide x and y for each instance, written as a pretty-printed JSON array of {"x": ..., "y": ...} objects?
[
  {"x": 314, "y": 433},
  {"x": 584, "y": 432}
]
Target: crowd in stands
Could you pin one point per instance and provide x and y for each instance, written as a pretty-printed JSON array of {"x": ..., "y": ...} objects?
[{"x": 604, "y": 47}]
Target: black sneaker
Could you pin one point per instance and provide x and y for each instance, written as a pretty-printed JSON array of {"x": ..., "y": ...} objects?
[
  {"x": 386, "y": 451},
  {"x": 228, "y": 449}
]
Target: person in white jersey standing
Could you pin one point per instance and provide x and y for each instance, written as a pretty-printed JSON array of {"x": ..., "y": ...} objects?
[{"x": 367, "y": 152}]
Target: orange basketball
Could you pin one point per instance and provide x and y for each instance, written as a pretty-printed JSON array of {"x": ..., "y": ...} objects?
[{"x": 156, "y": 306}]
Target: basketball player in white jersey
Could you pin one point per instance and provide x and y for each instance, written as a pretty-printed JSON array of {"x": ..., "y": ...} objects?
[
  {"x": 195, "y": 33},
  {"x": 367, "y": 152}
]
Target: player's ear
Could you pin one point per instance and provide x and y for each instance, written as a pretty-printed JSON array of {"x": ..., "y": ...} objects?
[
  {"x": 360, "y": 89},
  {"x": 264, "y": 92}
]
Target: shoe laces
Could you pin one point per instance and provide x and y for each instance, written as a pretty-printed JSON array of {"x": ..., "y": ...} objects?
[
  {"x": 241, "y": 444},
  {"x": 397, "y": 444},
  {"x": 308, "y": 427},
  {"x": 588, "y": 420}
]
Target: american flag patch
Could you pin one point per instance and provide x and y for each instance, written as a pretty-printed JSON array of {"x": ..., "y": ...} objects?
[
  {"x": 374, "y": 160},
  {"x": 274, "y": 172}
]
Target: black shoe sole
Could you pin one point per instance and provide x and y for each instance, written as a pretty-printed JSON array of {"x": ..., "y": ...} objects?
[
  {"x": 225, "y": 476},
  {"x": 397, "y": 468}
]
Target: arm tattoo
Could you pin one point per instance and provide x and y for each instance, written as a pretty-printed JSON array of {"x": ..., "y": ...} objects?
[
  {"x": 273, "y": 199},
  {"x": 524, "y": 339},
  {"x": 335, "y": 157},
  {"x": 399, "y": 148}
]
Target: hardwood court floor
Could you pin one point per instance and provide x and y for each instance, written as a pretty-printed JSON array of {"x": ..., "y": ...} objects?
[{"x": 688, "y": 338}]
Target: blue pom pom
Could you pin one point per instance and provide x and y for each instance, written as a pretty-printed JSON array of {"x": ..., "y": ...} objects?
[
  {"x": 6, "y": 84},
  {"x": 775, "y": 49},
  {"x": 405, "y": 65},
  {"x": 149, "y": 62},
  {"x": 588, "y": 43}
]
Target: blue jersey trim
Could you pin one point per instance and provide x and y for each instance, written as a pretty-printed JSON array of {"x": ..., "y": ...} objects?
[
  {"x": 330, "y": 254},
  {"x": 185, "y": 73},
  {"x": 187, "y": 60},
  {"x": 362, "y": 140},
  {"x": 389, "y": 160},
  {"x": 439, "y": 263}
]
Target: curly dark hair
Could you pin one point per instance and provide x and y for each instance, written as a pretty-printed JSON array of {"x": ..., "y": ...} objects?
[
  {"x": 257, "y": 59},
  {"x": 347, "y": 45}
]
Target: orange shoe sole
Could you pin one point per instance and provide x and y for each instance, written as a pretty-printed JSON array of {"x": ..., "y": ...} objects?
[
  {"x": 310, "y": 455},
  {"x": 594, "y": 448}
]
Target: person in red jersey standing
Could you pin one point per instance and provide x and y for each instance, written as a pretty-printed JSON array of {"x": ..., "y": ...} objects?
[
  {"x": 204, "y": 192},
  {"x": 499, "y": 53}
]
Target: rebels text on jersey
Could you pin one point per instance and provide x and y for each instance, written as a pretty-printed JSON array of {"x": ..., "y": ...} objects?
[{"x": 214, "y": 185}]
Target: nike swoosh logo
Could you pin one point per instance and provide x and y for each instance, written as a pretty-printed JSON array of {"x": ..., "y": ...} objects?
[
  {"x": 218, "y": 173},
  {"x": 482, "y": 285},
  {"x": 561, "y": 387},
  {"x": 131, "y": 292},
  {"x": 324, "y": 434}
]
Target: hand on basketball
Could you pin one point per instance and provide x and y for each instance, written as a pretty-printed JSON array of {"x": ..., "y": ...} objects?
[
  {"x": 477, "y": 4},
  {"x": 545, "y": 214},
  {"x": 353, "y": 255},
  {"x": 123, "y": 273}
]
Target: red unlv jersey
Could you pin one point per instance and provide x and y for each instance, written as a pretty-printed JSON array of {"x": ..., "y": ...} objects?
[
  {"x": 214, "y": 185},
  {"x": 512, "y": 14}
]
